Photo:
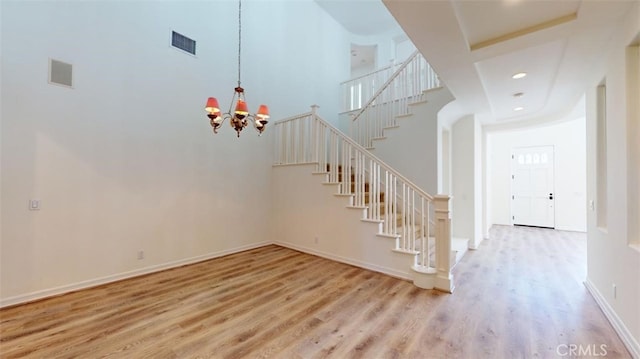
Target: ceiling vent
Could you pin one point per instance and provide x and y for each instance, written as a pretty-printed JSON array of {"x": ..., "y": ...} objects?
[
  {"x": 60, "y": 73},
  {"x": 183, "y": 43}
]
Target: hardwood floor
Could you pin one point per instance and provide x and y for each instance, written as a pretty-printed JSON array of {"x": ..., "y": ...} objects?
[{"x": 519, "y": 296}]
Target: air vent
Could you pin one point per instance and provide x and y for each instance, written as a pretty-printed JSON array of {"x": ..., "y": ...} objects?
[
  {"x": 60, "y": 73},
  {"x": 183, "y": 43}
]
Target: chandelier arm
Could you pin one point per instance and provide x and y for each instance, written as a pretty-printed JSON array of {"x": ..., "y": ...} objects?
[
  {"x": 217, "y": 124},
  {"x": 233, "y": 101}
]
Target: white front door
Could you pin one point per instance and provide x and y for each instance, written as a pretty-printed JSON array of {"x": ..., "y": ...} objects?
[{"x": 532, "y": 196}]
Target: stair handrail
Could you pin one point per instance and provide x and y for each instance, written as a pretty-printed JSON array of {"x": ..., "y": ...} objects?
[
  {"x": 356, "y": 145},
  {"x": 293, "y": 118},
  {"x": 367, "y": 153},
  {"x": 386, "y": 84},
  {"x": 369, "y": 74}
]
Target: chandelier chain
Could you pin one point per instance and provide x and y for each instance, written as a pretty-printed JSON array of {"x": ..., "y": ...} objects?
[{"x": 239, "y": 37}]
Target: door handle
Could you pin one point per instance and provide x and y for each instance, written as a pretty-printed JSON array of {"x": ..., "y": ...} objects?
[{"x": 550, "y": 195}]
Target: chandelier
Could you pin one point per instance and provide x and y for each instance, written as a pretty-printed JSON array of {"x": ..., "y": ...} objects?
[{"x": 240, "y": 117}]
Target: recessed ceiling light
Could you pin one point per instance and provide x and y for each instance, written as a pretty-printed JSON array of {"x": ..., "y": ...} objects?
[
  {"x": 518, "y": 94},
  {"x": 519, "y": 108},
  {"x": 519, "y": 75}
]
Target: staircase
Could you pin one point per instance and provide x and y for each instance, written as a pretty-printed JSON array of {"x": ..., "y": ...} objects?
[
  {"x": 411, "y": 227},
  {"x": 404, "y": 111},
  {"x": 403, "y": 231}
]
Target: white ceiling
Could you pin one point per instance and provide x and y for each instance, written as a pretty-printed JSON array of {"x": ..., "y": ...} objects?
[
  {"x": 360, "y": 17},
  {"x": 476, "y": 47}
]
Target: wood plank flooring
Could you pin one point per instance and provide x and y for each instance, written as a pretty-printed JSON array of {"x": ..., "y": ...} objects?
[{"x": 519, "y": 296}]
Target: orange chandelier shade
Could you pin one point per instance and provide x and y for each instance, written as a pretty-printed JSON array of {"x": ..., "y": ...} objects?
[{"x": 212, "y": 105}]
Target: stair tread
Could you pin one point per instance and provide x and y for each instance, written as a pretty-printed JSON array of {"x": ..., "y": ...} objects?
[
  {"x": 405, "y": 251},
  {"x": 357, "y": 207},
  {"x": 371, "y": 220},
  {"x": 403, "y": 115},
  {"x": 419, "y": 102}
]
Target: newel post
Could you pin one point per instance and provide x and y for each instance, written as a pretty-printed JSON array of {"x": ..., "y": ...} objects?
[
  {"x": 444, "y": 278},
  {"x": 315, "y": 133}
]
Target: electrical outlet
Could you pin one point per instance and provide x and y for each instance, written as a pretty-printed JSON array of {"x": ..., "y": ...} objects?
[
  {"x": 140, "y": 255},
  {"x": 615, "y": 291},
  {"x": 34, "y": 204},
  {"x": 316, "y": 240}
]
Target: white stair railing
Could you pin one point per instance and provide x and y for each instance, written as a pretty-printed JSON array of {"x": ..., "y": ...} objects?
[
  {"x": 358, "y": 90},
  {"x": 401, "y": 207},
  {"x": 406, "y": 85}
]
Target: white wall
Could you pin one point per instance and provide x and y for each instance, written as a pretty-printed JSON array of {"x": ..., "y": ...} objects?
[
  {"x": 392, "y": 47},
  {"x": 366, "y": 68},
  {"x": 308, "y": 217},
  {"x": 126, "y": 160},
  {"x": 404, "y": 48},
  {"x": 412, "y": 148},
  {"x": 444, "y": 161},
  {"x": 466, "y": 180},
  {"x": 610, "y": 259},
  {"x": 385, "y": 47},
  {"x": 487, "y": 187},
  {"x": 569, "y": 141},
  {"x": 299, "y": 57},
  {"x": 633, "y": 141}
]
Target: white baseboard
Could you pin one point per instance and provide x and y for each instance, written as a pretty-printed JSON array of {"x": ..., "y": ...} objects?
[
  {"x": 50, "y": 292},
  {"x": 627, "y": 338},
  {"x": 376, "y": 268},
  {"x": 475, "y": 244},
  {"x": 41, "y": 294}
]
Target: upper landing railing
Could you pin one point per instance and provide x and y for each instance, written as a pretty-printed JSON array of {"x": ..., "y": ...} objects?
[{"x": 391, "y": 98}]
